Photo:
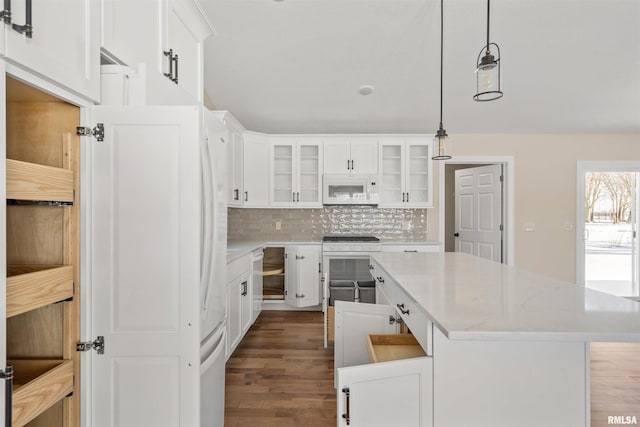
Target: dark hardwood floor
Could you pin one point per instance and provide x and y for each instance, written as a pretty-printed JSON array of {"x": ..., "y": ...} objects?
[{"x": 281, "y": 375}]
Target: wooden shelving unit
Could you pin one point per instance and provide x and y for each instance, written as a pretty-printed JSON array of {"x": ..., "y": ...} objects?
[
  {"x": 273, "y": 274},
  {"x": 42, "y": 257}
]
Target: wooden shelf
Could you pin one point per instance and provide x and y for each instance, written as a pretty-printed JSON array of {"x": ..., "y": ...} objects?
[
  {"x": 30, "y": 287},
  {"x": 30, "y": 181},
  {"x": 384, "y": 348},
  {"x": 38, "y": 385},
  {"x": 272, "y": 294},
  {"x": 272, "y": 269}
]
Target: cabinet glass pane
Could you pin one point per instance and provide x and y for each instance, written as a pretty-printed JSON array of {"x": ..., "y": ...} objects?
[
  {"x": 391, "y": 174},
  {"x": 309, "y": 182},
  {"x": 418, "y": 176},
  {"x": 282, "y": 173}
]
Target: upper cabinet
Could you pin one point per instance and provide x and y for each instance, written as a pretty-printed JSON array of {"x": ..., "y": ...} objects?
[
  {"x": 234, "y": 141},
  {"x": 256, "y": 170},
  {"x": 405, "y": 173},
  {"x": 58, "y": 40},
  {"x": 296, "y": 172},
  {"x": 358, "y": 155},
  {"x": 166, "y": 35}
]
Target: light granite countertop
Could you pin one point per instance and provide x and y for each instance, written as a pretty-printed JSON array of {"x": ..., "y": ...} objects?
[{"x": 470, "y": 298}]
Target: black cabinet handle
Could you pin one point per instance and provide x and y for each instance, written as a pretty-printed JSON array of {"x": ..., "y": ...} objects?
[
  {"x": 402, "y": 197},
  {"x": 169, "y": 53},
  {"x": 407, "y": 197},
  {"x": 347, "y": 416},
  {"x": 352, "y": 167},
  {"x": 7, "y": 376},
  {"x": 6, "y": 18},
  {"x": 297, "y": 197},
  {"x": 380, "y": 279},
  {"x": 244, "y": 289},
  {"x": 27, "y": 28},
  {"x": 175, "y": 59},
  {"x": 246, "y": 196},
  {"x": 293, "y": 196},
  {"x": 402, "y": 309},
  {"x": 348, "y": 165},
  {"x": 236, "y": 194}
]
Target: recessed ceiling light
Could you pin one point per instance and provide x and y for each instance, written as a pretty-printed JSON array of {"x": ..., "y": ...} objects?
[{"x": 365, "y": 90}]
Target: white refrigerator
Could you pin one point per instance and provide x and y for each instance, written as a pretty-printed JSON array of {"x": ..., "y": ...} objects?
[{"x": 157, "y": 219}]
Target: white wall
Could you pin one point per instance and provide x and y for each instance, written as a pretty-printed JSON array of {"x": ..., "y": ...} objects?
[{"x": 545, "y": 189}]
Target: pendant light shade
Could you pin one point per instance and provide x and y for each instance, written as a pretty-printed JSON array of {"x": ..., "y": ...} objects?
[
  {"x": 441, "y": 135},
  {"x": 488, "y": 69}
]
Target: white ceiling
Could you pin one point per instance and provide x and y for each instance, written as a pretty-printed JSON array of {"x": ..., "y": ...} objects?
[{"x": 295, "y": 66}]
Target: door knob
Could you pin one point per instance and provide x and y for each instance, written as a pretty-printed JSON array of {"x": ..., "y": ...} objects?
[{"x": 456, "y": 235}]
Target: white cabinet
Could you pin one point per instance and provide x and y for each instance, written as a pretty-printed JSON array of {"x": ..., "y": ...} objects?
[
  {"x": 239, "y": 306},
  {"x": 394, "y": 392},
  {"x": 351, "y": 156},
  {"x": 234, "y": 141},
  {"x": 166, "y": 35},
  {"x": 405, "y": 173},
  {"x": 412, "y": 247},
  {"x": 296, "y": 177},
  {"x": 302, "y": 275},
  {"x": 239, "y": 300},
  {"x": 256, "y": 170},
  {"x": 64, "y": 43}
]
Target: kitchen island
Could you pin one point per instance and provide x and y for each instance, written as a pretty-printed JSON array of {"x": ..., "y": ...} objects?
[{"x": 502, "y": 346}]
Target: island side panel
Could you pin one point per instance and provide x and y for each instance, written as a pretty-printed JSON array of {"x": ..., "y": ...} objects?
[{"x": 507, "y": 383}]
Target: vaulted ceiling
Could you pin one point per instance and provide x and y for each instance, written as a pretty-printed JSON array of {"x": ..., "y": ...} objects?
[{"x": 295, "y": 66}]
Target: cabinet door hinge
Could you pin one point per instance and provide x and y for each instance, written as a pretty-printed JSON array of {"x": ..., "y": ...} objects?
[
  {"x": 5, "y": 15},
  {"x": 97, "y": 131},
  {"x": 97, "y": 344}
]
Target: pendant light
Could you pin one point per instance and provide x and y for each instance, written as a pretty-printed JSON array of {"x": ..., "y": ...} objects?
[
  {"x": 488, "y": 69},
  {"x": 441, "y": 134}
]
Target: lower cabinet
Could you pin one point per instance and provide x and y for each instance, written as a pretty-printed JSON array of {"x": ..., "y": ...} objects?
[
  {"x": 398, "y": 390},
  {"x": 302, "y": 275},
  {"x": 238, "y": 309},
  {"x": 239, "y": 300}
]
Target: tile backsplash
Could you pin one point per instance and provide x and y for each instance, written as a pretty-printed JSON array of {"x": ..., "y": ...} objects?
[{"x": 401, "y": 225}]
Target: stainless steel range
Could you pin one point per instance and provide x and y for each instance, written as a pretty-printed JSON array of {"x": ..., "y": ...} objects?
[
  {"x": 345, "y": 268},
  {"x": 351, "y": 244}
]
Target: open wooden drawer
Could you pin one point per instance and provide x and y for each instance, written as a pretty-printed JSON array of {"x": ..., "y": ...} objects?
[
  {"x": 34, "y": 182},
  {"x": 39, "y": 384},
  {"x": 397, "y": 389},
  {"x": 30, "y": 287},
  {"x": 388, "y": 347}
]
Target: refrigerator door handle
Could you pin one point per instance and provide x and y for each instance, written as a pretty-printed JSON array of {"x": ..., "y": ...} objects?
[
  {"x": 215, "y": 350},
  {"x": 208, "y": 200}
]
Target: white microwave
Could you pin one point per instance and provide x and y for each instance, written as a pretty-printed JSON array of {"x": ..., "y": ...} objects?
[{"x": 350, "y": 190}]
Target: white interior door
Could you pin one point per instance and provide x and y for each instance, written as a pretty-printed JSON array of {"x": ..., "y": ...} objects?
[
  {"x": 478, "y": 211},
  {"x": 145, "y": 240}
]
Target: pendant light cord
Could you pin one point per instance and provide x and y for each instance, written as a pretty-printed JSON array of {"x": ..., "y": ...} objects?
[
  {"x": 441, "y": 53},
  {"x": 488, "y": 9}
]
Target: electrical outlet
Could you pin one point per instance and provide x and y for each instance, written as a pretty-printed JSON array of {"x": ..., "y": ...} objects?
[
  {"x": 278, "y": 225},
  {"x": 529, "y": 226}
]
